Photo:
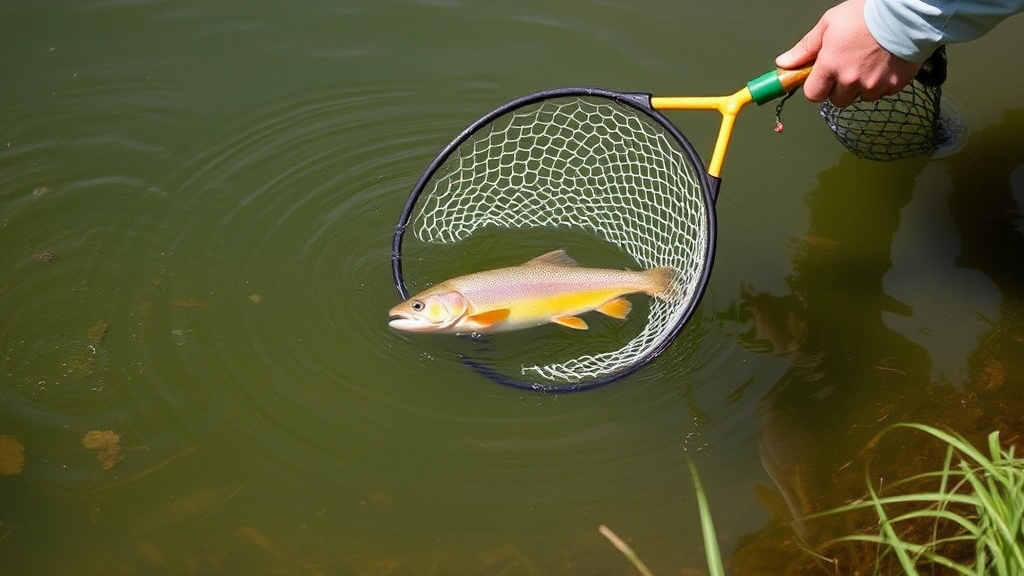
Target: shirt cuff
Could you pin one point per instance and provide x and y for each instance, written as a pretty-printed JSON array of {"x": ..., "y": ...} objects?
[{"x": 904, "y": 27}]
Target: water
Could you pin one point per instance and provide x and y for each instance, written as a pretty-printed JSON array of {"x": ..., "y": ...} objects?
[{"x": 196, "y": 207}]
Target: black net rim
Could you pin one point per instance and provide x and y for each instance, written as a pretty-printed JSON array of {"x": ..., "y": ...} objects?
[{"x": 639, "y": 102}]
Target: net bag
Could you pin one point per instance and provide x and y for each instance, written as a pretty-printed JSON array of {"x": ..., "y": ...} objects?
[
  {"x": 585, "y": 160},
  {"x": 908, "y": 124}
]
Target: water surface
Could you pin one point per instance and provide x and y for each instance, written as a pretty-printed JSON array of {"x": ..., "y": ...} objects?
[{"x": 196, "y": 209}]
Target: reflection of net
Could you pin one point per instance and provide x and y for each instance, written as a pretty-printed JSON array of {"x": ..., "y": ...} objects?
[
  {"x": 908, "y": 124},
  {"x": 583, "y": 163}
]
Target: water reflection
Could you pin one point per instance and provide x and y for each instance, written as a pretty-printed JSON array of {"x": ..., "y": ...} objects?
[{"x": 851, "y": 374}]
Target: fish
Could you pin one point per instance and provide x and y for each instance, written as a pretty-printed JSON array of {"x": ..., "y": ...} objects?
[{"x": 551, "y": 288}]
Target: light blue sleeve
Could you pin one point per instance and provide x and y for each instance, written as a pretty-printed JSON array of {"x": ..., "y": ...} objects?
[{"x": 912, "y": 29}]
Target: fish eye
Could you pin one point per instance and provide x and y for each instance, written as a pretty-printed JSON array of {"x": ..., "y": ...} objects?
[{"x": 417, "y": 306}]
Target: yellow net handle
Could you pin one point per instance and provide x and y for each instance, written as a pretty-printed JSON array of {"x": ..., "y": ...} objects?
[{"x": 764, "y": 88}]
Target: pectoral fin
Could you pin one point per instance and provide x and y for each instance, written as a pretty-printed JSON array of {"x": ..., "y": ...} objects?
[
  {"x": 489, "y": 318},
  {"x": 618, "y": 308},
  {"x": 571, "y": 322}
]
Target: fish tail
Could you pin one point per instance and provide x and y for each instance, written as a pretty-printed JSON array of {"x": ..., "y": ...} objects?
[{"x": 663, "y": 282}]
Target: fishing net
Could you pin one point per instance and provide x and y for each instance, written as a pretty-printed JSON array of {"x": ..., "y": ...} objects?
[
  {"x": 908, "y": 124},
  {"x": 610, "y": 166},
  {"x": 595, "y": 162}
]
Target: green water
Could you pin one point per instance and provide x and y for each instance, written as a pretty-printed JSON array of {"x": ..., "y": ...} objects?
[{"x": 196, "y": 208}]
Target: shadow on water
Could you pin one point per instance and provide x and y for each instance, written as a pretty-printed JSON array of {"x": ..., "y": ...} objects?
[{"x": 851, "y": 375}]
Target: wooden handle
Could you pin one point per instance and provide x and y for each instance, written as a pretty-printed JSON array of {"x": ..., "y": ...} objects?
[{"x": 793, "y": 79}]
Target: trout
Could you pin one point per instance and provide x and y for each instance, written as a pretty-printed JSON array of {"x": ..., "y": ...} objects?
[{"x": 550, "y": 288}]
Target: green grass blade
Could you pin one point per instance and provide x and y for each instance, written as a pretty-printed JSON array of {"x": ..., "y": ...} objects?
[
  {"x": 979, "y": 493},
  {"x": 889, "y": 535},
  {"x": 929, "y": 498},
  {"x": 970, "y": 527},
  {"x": 707, "y": 527}
]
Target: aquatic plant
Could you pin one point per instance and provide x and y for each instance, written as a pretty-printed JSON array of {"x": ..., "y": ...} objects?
[
  {"x": 707, "y": 525},
  {"x": 966, "y": 518}
]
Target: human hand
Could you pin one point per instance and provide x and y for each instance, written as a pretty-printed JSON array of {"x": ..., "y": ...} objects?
[{"x": 848, "y": 63}]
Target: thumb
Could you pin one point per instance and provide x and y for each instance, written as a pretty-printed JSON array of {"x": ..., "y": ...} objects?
[{"x": 804, "y": 52}]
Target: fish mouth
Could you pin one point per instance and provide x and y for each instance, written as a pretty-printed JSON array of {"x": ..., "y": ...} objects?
[
  {"x": 406, "y": 322},
  {"x": 409, "y": 323}
]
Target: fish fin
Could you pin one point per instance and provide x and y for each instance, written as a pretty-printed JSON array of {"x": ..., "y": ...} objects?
[
  {"x": 618, "y": 308},
  {"x": 553, "y": 258},
  {"x": 571, "y": 322},
  {"x": 489, "y": 318},
  {"x": 663, "y": 282}
]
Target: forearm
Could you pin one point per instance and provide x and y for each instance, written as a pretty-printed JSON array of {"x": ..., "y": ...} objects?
[{"x": 912, "y": 29}]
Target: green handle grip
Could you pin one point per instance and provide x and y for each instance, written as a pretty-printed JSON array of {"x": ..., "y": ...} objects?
[{"x": 777, "y": 83}]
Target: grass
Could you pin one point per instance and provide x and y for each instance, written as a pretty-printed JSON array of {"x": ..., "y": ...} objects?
[
  {"x": 966, "y": 518},
  {"x": 711, "y": 551},
  {"x": 975, "y": 502}
]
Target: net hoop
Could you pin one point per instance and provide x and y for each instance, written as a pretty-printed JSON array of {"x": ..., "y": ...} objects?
[{"x": 638, "y": 103}]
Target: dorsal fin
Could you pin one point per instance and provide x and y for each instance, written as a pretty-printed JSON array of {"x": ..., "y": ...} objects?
[{"x": 553, "y": 258}]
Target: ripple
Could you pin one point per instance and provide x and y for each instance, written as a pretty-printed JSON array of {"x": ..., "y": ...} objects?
[
  {"x": 258, "y": 277},
  {"x": 954, "y": 130},
  {"x": 246, "y": 292},
  {"x": 77, "y": 160},
  {"x": 255, "y": 286}
]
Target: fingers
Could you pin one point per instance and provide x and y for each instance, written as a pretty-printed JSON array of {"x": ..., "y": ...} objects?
[
  {"x": 848, "y": 62},
  {"x": 844, "y": 94},
  {"x": 825, "y": 84},
  {"x": 805, "y": 51},
  {"x": 844, "y": 89},
  {"x": 818, "y": 85}
]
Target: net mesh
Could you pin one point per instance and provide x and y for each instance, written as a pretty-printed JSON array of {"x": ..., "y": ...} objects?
[
  {"x": 584, "y": 163},
  {"x": 908, "y": 124}
]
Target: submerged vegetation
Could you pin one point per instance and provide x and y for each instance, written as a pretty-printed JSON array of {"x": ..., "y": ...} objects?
[{"x": 966, "y": 518}]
